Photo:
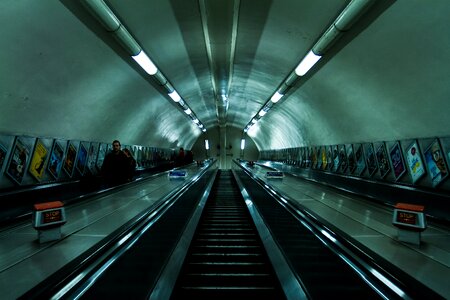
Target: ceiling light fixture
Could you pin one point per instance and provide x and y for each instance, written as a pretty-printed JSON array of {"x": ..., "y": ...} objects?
[
  {"x": 145, "y": 62},
  {"x": 105, "y": 16},
  {"x": 352, "y": 12}
]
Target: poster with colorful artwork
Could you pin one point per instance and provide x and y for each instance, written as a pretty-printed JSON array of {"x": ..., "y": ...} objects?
[
  {"x": 414, "y": 162},
  {"x": 69, "y": 161},
  {"x": 101, "y": 155},
  {"x": 351, "y": 159},
  {"x": 398, "y": 164},
  {"x": 329, "y": 158},
  {"x": 323, "y": 156},
  {"x": 336, "y": 162},
  {"x": 313, "y": 157},
  {"x": 3, "y": 153},
  {"x": 56, "y": 159},
  {"x": 38, "y": 160},
  {"x": 342, "y": 159},
  {"x": 92, "y": 158},
  {"x": 370, "y": 159},
  {"x": 81, "y": 159},
  {"x": 359, "y": 158},
  {"x": 382, "y": 160},
  {"x": 434, "y": 158},
  {"x": 18, "y": 161}
]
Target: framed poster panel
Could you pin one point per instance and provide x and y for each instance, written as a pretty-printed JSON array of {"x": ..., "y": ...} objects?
[
  {"x": 38, "y": 160},
  {"x": 69, "y": 161},
  {"x": 359, "y": 159},
  {"x": 351, "y": 159},
  {"x": 382, "y": 160},
  {"x": 336, "y": 158},
  {"x": 397, "y": 161},
  {"x": 342, "y": 159},
  {"x": 18, "y": 161},
  {"x": 323, "y": 157},
  {"x": 414, "y": 162},
  {"x": 92, "y": 158},
  {"x": 81, "y": 159},
  {"x": 102, "y": 148},
  {"x": 329, "y": 158},
  {"x": 434, "y": 158},
  {"x": 56, "y": 160},
  {"x": 3, "y": 154},
  {"x": 371, "y": 161},
  {"x": 313, "y": 157}
]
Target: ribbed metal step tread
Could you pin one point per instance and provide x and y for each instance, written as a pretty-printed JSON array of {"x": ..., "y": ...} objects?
[{"x": 226, "y": 258}]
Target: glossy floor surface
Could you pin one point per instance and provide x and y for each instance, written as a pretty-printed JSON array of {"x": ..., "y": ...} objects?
[{"x": 24, "y": 262}]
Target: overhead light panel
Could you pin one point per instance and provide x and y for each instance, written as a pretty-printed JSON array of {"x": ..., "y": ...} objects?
[
  {"x": 144, "y": 61},
  {"x": 188, "y": 111},
  {"x": 262, "y": 113},
  {"x": 276, "y": 97},
  {"x": 175, "y": 97},
  {"x": 196, "y": 121},
  {"x": 242, "y": 144},
  {"x": 206, "y": 145},
  {"x": 307, "y": 62}
]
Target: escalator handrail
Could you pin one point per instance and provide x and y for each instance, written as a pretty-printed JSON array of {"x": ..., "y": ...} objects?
[
  {"x": 366, "y": 266},
  {"x": 79, "y": 271}
]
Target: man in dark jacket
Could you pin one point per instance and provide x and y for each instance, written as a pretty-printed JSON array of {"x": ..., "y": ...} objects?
[{"x": 115, "y": 166}]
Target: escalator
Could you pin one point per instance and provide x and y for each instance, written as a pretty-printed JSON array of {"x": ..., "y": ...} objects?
[{"x": 226, "y": 258}]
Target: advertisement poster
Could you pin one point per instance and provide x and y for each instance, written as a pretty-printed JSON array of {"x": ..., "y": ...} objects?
[
  {"x": 313, "y": 158},
  {"x": 329, "y": 158},
  {"x": 69, "y": 162},
  {"x": 3, "y": 153},
  {"x": 18, "y": 161},
  {"x": 382, "y": 159},
  {"x": 398, "y": 165},
  {"x": 92, "y": 158},
  {"x": 38, "y": 161},
  {"x": 56, "y": 159},
  {"x": 323, "y": 156},
  {"x": 351, "y": 159},
  {"x": 336, "y": 162},
  {"x": 414, "y": 162},
  {"x": 437, "y": 168},
  {"x": 370, "y": 159},
  {"x": 342, "y": 159},
  {"x": 359, "y": 158},
  {"x": 81, "y": 159},
  {"x": 101, "y": 155}
]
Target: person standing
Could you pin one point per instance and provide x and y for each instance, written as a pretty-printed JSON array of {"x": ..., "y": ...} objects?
[{"x": 115, "y": 168}]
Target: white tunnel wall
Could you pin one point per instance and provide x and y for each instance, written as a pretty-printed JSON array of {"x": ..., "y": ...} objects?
[
  {"x": 56, "y": 81},
  {"x": 389, "y": 83}
]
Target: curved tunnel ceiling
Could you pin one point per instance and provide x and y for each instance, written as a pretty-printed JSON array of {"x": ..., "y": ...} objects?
[{"x": 67, "y": 77}]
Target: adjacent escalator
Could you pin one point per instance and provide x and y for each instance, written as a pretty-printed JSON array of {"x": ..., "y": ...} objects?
[{"x": 226, "y": 258}]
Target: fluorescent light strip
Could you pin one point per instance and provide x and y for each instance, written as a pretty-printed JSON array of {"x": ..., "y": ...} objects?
[
  {"x": 175, "y": 97},
  {"x": 206, "y": 145},
  {"x": 277, "y": 96},
  {"x": 144, "y": 61},
  {"x": 188, "y": 111},
  {"x": 262, "y": 113},
  {"x": 242, "y": 144},
  {"x": 307, "y": 63}
]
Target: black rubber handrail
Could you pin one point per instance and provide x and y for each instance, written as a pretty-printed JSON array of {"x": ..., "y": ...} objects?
[
  {"x": 77, "y": 272},
  {"x": 370, "y": 266}
]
